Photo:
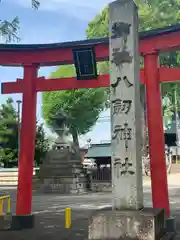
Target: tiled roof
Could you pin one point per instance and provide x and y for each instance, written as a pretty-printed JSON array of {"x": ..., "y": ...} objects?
[
  {"x": 104, "y": 149},
  {"x": 99, "y": 150}
]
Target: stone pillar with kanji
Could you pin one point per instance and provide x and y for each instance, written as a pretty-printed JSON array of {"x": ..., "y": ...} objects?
[
  {"x": 126, "y": 117},
  {"x": 127, "y": 219}
]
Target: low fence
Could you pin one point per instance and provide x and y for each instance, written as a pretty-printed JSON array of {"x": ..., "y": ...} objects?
[
  {"x": 101, "y": 179},
  {"x": 2, "y": 200},
  {"x": 103, "y": 174}
]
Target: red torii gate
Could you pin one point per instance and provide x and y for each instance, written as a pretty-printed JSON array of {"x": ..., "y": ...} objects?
[{"x": 31, "y": 57}]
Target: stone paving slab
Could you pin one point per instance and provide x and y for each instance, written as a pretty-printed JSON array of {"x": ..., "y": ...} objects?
[{"x": 52, "y": 227}]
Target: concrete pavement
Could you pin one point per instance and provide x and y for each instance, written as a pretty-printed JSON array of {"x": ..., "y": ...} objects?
[
  {"x": 49, "y": 211},
  {"x": 51, "y": 203}
]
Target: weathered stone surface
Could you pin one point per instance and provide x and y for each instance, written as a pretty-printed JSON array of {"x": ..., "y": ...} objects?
[
  {"x": 61, "y": 172},
  {"x": 126, "y": 107},
  {"x": 101, "y": 186},
  {"x": 146, "y": 224}
]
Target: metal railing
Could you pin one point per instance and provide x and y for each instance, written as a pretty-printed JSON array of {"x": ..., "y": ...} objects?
[
  {"x": 103, "y": 174},
  {"x": 2, "y": 199}
]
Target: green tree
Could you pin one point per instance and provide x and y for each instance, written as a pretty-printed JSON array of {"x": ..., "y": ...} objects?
[
  {"x": 8, "y": 134},
  {"x": 83, "y": 106},
  {"x": 9, "y": 137},
  {"x": 153, "y": 14},
  {"x": 9, "y": 29},
  {"x": 41, "y": 145}
]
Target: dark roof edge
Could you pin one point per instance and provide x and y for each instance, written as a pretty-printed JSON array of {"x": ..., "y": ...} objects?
[
  {"x": 88, "y": 42},
  {"x": 159, "y": 31},
  {"x": 100, "y": 144}
]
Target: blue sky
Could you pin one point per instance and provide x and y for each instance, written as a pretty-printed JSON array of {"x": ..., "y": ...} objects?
[{"x": 55, "y": 21}]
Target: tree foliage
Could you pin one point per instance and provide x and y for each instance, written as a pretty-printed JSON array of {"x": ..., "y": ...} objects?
[
  {"x": 41, "y": 145},
  {"x": 9, "y": 29},
  {"x": 152, "y": 14},
  {"x": 8, "y": 133},
  {"x": 82, "y": 106},
  {"x": 9, "y": 137}
]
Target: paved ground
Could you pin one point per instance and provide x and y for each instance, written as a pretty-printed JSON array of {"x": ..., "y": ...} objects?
[{"x": 49, "y": 211}]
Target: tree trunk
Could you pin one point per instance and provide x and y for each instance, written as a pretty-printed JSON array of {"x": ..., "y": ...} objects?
[
  {"x": 76, "y": 143},
  {"x": 75, "y": 138}
]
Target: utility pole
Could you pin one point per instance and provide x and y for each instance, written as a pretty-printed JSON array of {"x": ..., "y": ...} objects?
[
  {"x": 177, "y": 123},
  {"x": 19, "y": 124}
]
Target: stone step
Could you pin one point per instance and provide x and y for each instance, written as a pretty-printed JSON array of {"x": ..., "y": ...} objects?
[
  {"x": 59, "y": 185},
  {"x": 54, "y": 173},
  {"x": 8, "y": 180},
  {"x": 8, "y": 183},
  {"x": 49, "y": 171},
  {"x": 57, "y": 172},
  {"x": 52, "y": 161},
  {"x": 55, "y": 169},
  {"x": 61, "y": 165},
  {"x": 11, "y": 172},
  {"x": 36, "y": 183},
  {"x": 59, "y": 180},
  {"x": 62, "y": 179},
  {"x": 4, "y": 174},
  {"x": 8, "y": 177},
  {"x": 60, "y": 191}
]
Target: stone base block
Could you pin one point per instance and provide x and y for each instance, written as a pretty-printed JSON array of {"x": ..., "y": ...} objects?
[
  {"x": 145, "y": 224},
  {"x": 61, "y": 185},
  {"x": 11, "y": 223},
  {"x": 22, "y": 222},
  {"x": 171, "y": 225}
]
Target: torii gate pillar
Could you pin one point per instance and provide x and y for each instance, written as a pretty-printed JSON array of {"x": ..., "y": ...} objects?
[
  {"x": 27, "y": 146},
  {"x": 156, "y": 133}
]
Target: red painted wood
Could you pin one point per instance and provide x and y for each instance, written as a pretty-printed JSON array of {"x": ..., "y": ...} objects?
[
  {"x": 57, "y": 56},
  {"x": 169, "y": 74},
  {"x": 27, "y": 142},
  {"x": 12, "y": 87},
  {"x": 156, "y": 134},
  {"x": 48, "y": 57},
  {"x": 72, "y": 83},
  {"x": 161, "y": 43},
  {"x": 166, "y": 75}
]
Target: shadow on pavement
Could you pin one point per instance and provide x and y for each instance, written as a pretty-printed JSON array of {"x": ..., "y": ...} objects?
[{"x": 52, "y": 226}]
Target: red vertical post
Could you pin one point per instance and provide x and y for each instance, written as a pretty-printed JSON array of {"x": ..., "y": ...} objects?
[
  {"x": 156, "y": 133},
  {"x": 27, "y": 142}
]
